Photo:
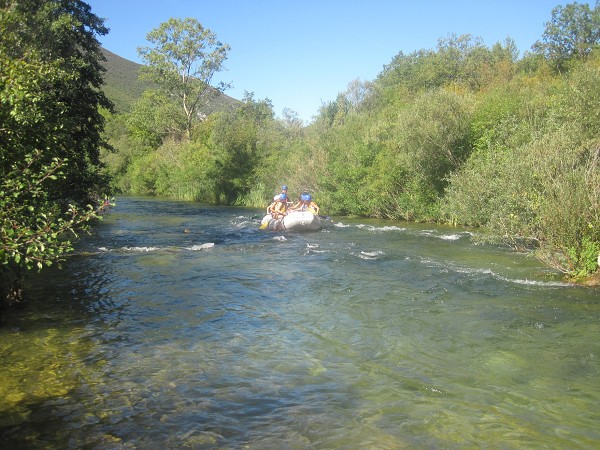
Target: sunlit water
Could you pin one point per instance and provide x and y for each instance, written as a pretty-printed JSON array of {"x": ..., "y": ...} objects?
[{"x": 179, "y": 325}]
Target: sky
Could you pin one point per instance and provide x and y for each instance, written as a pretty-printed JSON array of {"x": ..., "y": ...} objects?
[{"x": 301, "y": 54}]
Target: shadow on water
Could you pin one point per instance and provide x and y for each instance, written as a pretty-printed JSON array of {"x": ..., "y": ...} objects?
[{"x": 181, "y": 325}]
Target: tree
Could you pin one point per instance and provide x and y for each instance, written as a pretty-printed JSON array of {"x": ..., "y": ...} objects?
[
  {"x": 182, "y": 63},
  {"x": 35, "y": 231},
  {"x": 572, "y": 33},
  {"x": 50, "y": 131},
  {"x": 237, "y": 139},
  {"x": 459, "y": 60},
  {"x": 154, "y": 118},
  {"x": 50, "y": 79}
]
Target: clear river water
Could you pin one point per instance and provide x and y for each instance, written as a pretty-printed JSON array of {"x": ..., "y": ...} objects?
[{"x": 181, "y": 325}]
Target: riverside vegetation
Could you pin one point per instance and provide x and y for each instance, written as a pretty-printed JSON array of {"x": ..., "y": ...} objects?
[{"x": 463, "y": 133}]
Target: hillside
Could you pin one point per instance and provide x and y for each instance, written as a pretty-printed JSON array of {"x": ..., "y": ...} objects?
[
  {"x": 123, "y": 88},
  {"x": 121, "y": 81}
]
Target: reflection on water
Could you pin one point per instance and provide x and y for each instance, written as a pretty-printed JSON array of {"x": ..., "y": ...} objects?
[{"x": 182, "y": 326}]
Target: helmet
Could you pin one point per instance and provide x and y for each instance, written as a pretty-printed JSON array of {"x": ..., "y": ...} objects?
[
  {"x": 284, "y": 188},
  {"x": 283, "y": 197},
  {"x": 276, "y": 198},
  {"x": 308, "y": 197}
]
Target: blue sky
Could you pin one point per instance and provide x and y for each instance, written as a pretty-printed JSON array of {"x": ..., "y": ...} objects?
[{"x": 301, "y": 54}]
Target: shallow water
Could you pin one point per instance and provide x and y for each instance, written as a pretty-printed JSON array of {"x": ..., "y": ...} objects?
[{"x": 179, "y": 325}]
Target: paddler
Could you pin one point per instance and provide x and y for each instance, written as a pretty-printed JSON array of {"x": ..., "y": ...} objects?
[{"x": 278, "y": 209}]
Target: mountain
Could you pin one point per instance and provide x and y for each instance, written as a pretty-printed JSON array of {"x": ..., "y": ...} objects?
[
  {"x": 122, "y": 87},
  {"x": 121, "y": 84}
]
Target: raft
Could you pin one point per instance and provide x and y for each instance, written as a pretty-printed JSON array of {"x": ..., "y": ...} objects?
[{"x": 294, "y": 221}]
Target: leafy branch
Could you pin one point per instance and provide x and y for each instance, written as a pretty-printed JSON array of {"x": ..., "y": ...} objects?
[{"x": 36, "y": 231}]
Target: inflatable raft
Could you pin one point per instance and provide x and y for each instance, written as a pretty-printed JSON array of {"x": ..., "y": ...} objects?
[{"x": 294, "y": 221}]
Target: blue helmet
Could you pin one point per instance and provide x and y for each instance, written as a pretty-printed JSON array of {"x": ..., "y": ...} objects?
[
  {"x": 283, "y": 197},
  {"x": 305, "y": 197},
  {"x": 284, "y": 188}
]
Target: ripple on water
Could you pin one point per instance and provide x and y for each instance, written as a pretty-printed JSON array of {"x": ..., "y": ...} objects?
[{"x": 368, "y": 335}]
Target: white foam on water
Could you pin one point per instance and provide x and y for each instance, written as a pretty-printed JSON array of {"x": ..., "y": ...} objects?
[
  {"x": 444, "y": 236},
  {"x": 450, "y": 237},
  {"x": 533, "y": 282},
  {"x": 380, "y": 229},
  {"x": 314, "y": 249},
  {"x": 371, "y": 255},
  {"x": 497, "y": 276},
  {"x": 205, "y": 246},
  {"x": 139, "y": 249},
  {"x": 391, "y": 228},
  {"x": 340, "y": 225}
]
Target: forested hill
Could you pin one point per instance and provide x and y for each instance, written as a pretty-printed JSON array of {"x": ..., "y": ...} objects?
[
  {"x": 123, "y": 88},
  {"x": 121, "y": 81}
]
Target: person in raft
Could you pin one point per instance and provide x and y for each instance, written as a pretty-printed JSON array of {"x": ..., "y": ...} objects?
[
  {"x": 278, "y": 209},
  {"x": 284, "y": 190},
  {"x": 306, "y": 203}
]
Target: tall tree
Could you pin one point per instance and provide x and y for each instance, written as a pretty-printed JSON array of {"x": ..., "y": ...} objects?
[
  {"x": 182, "y": 63},
  {"x": 572, "y": 33},
  {"x": 51, "y": 74},
  {"x": 50, "y": 130}
]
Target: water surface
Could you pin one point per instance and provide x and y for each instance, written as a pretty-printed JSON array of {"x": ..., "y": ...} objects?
[{"x": 180, "y": 325}]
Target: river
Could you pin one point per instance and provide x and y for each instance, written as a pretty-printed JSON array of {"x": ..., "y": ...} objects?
[{"x": 181, "y": 325}]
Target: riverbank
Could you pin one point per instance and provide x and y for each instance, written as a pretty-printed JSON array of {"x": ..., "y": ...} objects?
[{"x": 593, "y": 280}]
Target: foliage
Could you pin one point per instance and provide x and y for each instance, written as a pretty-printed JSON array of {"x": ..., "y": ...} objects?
[
  {"x": 568, "y": 213},
  {"x": 217, "y": 166},
  {"x": 541, "y": 190},
  {"x": 348, "y": 156},
  {"x": 237, "y": 139},
  {"x": 414, "y": 155},
  {"x": 50, "y": 80},
  {"x": 462, "y": 133},
  {"x": 182, "y": 63},
  {"x": 50, "y": 129},
  {"x": 154, "y": 118},
  {"x": 571, "y": 34},
  {"x": 123, "y": 86},
  {"x": 33, "y": 228},
  {"x": 582, "y": 260},
  {"x": 459, "y": 60}
]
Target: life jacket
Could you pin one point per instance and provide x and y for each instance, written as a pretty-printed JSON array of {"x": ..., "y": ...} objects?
[{"x": 280, "y": 208}]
